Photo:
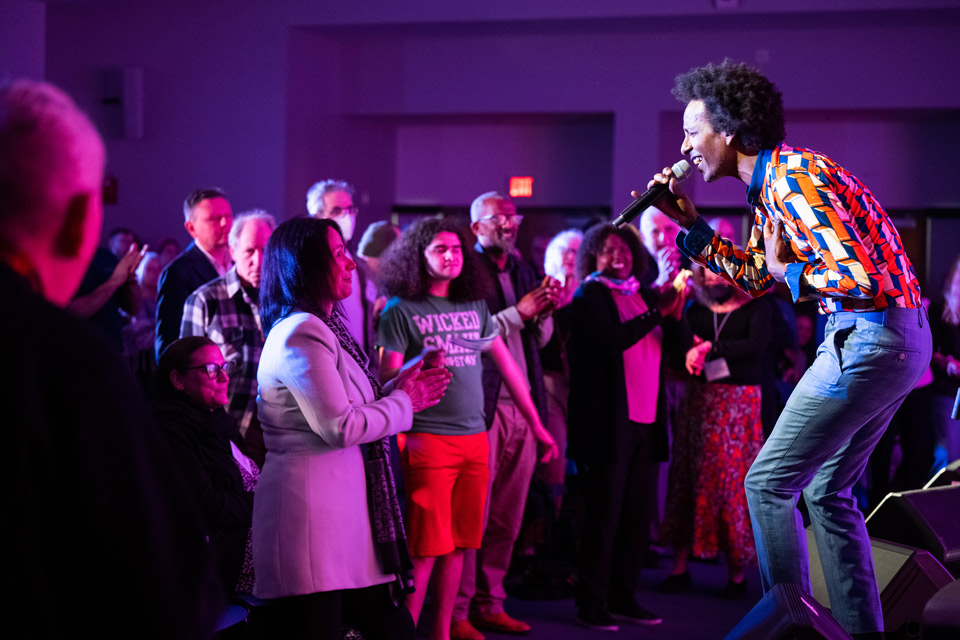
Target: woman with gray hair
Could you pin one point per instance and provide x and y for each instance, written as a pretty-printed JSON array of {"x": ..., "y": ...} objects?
[{"x": 559, "y": 262}]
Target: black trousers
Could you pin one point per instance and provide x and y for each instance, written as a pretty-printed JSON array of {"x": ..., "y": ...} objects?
[
  {"x": 320, "y": 616},
  {"x": 621, "y": 500}
]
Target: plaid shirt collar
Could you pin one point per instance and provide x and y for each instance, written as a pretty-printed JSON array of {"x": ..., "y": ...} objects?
[{"x": 234, "y": 285}]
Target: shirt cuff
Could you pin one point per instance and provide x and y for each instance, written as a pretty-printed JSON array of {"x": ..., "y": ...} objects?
[
  {"x": 793, "y": 273},
  {"x": 698, "y": 238},
  {"x": 509, "y": 321}
]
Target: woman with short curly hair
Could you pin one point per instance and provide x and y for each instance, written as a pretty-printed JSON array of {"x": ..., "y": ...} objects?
[{"x": 617, "y": 431}]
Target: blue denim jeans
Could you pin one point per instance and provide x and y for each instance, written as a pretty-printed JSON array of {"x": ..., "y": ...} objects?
[{"x": 866, "y": 366}]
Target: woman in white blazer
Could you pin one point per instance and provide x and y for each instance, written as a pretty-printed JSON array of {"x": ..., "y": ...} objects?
[{"x": 327, "y": 535}]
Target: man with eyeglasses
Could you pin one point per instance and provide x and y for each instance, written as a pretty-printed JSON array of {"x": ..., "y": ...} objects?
[
  {"x": 521, "y": 305},
  {"x": 226, "y": 310},
  {"x": 333, "y": 199}
]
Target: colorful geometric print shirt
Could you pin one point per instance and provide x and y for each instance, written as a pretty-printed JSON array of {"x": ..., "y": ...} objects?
[{"x": 850, "y": 255}]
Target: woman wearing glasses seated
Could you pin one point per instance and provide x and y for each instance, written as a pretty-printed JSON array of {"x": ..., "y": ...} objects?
[
  {"x": 192, "y": 392},
  {"x": 328, "y": 539}
]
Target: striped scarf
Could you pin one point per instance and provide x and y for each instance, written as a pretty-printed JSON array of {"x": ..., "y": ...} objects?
[{"x": 389, "y": 537}]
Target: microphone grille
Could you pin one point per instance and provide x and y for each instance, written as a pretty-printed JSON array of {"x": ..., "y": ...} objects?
[{"x": 682, "y": 170}]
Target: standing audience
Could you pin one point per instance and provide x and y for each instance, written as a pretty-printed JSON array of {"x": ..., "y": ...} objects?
[
  {"x": 103, "y": 538},
  {"x": 208, "y": 219},
  {"x": 121, "y": 240},
  {"x": 167, "y": 250},
  {"x": 667, "y": 267},
  {"x": 461, "y": 373},
  {"x": 226, "y": 310},
  {"x": 945, "y": 325},
  {"x": 328, "y": 538},
  {"x": 521, "y": 306},
  {"x": 109, "y": 291},
  {"x": 438, "y": 313},
  {"x": 560, "y": 263},
  {"x": 719, "y": 433},
  {"x": 375, "y": 241},
  {"x": 333, "y": 200},
  {"x": 617, "y": 430},
  {"x": 139, "y": 329}
]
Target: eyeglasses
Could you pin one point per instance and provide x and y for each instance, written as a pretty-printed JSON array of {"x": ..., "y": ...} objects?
[
  {"x": 338, "y": 212},
  {"x": 212, "y": 369},
  {"x": 499, "y": 219}
]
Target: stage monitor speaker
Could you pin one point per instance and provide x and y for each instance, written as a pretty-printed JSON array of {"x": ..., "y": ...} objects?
[
  {"x": 947, "y": 476},
  {"x": 786, "y": 612},
  {"x": 907, "y": 579},
  {"x": 941, "y": 616},
  {"x": 927, "y": 519}
]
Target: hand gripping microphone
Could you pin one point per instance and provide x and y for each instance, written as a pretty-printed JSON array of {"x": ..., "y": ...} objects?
[{"x": 681, "y": 171}]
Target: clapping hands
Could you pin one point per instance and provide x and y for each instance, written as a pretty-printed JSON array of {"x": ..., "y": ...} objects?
[
  {"x": 424, "y": 386},
  {"x": 126, "y": 269}
]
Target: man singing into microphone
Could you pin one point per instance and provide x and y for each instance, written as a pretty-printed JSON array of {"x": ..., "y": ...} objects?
[{"x": 821, "y": 231}]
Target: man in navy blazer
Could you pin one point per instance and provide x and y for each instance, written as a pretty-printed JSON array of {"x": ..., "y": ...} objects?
[{"x": 208, "y": 219}]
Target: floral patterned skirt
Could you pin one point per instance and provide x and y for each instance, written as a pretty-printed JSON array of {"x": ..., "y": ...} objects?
[
  {"x": 250, "y": 475},
  {"x": 716, "y": 439}
]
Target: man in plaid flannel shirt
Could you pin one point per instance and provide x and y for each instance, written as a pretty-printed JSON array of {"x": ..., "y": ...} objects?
[{"x": 226, "y": 311}]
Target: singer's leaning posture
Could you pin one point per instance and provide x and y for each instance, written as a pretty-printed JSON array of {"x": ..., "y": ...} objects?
[{"x": 821, "y": 231}]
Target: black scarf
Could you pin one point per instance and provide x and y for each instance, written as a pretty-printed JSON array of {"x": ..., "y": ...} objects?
[{"x": 389, "y": 537}]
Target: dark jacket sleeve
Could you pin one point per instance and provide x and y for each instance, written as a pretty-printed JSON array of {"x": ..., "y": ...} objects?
[
  {"x": 598, "y": 407},
  {"x": 181, "y": 278},
  {"x": 170, "y": 299},
  {"x": 97, "y": 508},
  {"x": 206, "y": 462},
  {"x": 525, "y": 280},
  {"x": 597, "y": 320}
]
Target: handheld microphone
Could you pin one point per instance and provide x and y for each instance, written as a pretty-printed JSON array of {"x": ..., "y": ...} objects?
[{"x": 681, "y": 171}]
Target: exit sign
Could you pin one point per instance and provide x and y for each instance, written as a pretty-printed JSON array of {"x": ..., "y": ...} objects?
[{"x": 521, "y": 186}]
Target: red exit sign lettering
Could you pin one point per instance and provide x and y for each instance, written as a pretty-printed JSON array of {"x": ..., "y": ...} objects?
[{"x": 521, "y": 187}]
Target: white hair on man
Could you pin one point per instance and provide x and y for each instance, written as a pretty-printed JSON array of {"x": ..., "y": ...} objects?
[
  {"x": 241, "y": 220},
  {"x": 51, "y": 176},
  {"x": 49, "y": 151},
  {"x": 476, "y": 207},
  {"x": 315, "y": 203}
]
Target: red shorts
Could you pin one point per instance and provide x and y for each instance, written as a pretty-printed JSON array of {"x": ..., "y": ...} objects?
[{"x": 446, "y": 480}]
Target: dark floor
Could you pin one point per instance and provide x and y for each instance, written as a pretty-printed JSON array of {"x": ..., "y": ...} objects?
[{"x": 699, "y": 614}]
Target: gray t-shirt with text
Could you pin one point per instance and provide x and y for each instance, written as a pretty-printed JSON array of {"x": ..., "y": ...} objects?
[{"x": 407, "y": 326}]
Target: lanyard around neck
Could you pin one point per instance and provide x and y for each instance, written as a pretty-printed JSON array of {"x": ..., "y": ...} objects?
[{"x": 718, "y": 329}]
